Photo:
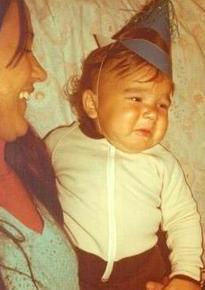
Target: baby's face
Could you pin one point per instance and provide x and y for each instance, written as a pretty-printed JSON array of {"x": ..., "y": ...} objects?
[{"x": 132, "y": 115}]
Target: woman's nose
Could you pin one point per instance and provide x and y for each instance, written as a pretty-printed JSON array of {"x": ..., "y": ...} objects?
[{"x": 38, "y": 72}]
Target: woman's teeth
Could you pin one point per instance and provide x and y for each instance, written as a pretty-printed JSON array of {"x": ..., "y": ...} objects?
[{"x": 23, "y": 95}]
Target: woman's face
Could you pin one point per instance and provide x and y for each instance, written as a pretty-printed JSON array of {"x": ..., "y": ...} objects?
[{"x": 16, "y": 81}]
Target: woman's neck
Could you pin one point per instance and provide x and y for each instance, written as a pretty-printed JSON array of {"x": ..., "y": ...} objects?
[
  {"x": 4, "y": 168},
  {"x": 14, "y": 196}
]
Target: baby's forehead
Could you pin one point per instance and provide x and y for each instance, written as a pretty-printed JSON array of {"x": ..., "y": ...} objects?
[{"x": 137, "y": 80}]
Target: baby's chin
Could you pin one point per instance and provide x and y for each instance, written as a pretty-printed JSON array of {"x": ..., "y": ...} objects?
[
  {"x": 132, "y": 148},
  {"x": 125, "y": 148}
]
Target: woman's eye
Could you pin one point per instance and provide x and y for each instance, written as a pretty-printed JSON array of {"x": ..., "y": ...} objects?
[{"x": 26, "y": 50}]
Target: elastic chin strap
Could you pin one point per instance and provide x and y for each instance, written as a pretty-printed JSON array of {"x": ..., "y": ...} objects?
[{"x": 98, "y": 89}]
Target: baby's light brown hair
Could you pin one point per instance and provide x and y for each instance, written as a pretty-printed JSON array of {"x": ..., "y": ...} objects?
[{"x": 114, "y": 59}]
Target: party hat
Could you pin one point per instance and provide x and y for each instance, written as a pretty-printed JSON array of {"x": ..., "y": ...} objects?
[{"x": 154, "y": 17}]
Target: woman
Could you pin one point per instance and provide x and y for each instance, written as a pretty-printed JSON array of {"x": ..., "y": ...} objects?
[{"x": 34, "y": 250}]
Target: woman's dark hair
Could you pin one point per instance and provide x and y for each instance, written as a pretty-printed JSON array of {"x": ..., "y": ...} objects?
[
  {"x": 4, "y": 6},
  {"x": 27, "y": 155},
  {"x": 29, "y": 158}
]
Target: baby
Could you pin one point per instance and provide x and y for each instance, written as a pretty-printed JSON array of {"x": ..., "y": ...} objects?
[{"x": 117, "y": 184}]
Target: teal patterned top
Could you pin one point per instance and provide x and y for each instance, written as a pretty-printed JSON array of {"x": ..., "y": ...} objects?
[{"x": 53, "y": 265}]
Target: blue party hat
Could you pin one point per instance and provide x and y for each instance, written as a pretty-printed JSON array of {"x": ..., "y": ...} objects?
[{"x": 154, "y": 17}]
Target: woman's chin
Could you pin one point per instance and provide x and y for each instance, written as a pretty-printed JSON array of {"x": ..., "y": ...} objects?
[
  {"x": 21, "y": 131},
  {"x": 15, "y": 130}
]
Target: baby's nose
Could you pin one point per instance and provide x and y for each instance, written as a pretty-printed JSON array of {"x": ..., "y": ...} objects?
[{"x": 150, "y": 112}]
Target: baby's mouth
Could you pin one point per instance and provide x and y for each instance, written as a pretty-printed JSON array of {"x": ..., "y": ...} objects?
[{"x": 144, "y": 132}]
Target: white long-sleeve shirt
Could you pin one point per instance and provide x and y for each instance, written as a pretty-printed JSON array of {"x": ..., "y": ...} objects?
[{"x": 115, "y": 201}]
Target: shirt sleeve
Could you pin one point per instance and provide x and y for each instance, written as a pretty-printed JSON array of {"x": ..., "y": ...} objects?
[{"x": 181, "y": 221}]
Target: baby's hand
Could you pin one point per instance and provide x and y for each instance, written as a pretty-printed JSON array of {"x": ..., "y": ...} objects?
[
  {"x": 180, "y": 284},
  {"x": 174, "y": 284},
  {"x": 154, "y": 286}
]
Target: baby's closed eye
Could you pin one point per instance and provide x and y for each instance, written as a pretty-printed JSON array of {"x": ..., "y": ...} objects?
[
  {"x": 135, "y": 99},
  {"x": 164, "y": 105}
]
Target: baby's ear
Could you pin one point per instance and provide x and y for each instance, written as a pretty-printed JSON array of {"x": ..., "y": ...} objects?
[{"x": 90, "y": 103}]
